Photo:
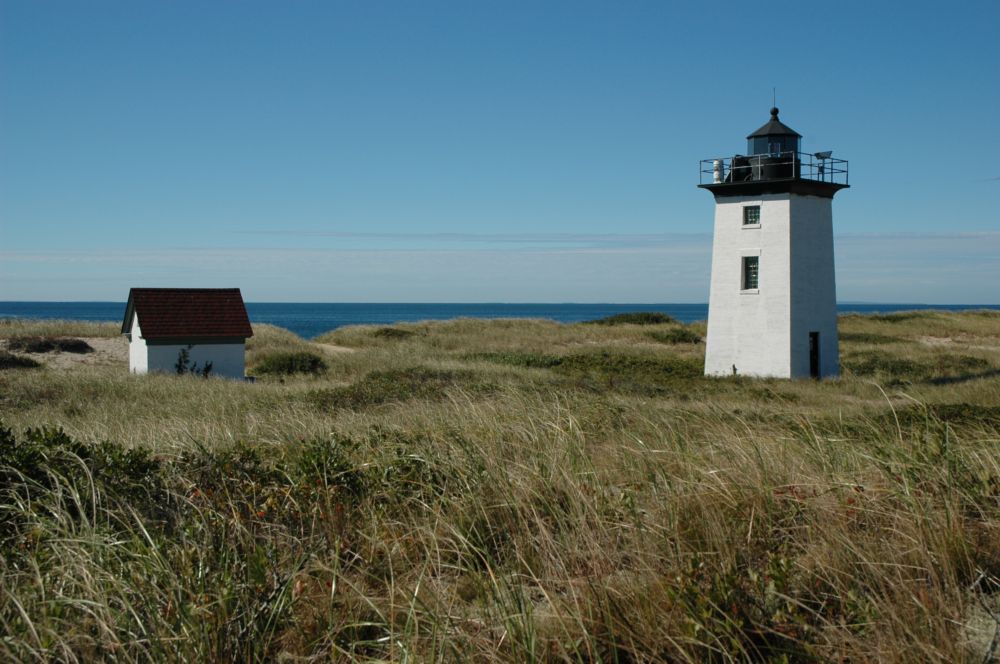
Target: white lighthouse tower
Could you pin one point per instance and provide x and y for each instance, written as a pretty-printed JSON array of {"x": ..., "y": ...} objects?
[{"x": 772, "y": 309}]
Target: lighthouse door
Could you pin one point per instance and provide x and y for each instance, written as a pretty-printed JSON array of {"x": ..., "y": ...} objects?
[{"x": 814, "y": 354}]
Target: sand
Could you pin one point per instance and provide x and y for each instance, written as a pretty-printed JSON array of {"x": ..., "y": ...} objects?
[{"x": 107, "y": 351}]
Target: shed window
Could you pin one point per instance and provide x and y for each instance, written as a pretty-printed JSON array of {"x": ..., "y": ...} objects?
[
  {"x": 751, "y": 215},
  {"x": 751, "y": 265}
]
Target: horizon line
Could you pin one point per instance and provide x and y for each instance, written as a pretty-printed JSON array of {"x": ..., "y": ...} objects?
[{"x": 509, "y": 303}]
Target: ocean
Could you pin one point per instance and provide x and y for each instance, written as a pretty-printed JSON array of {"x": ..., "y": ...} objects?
[{"x": 309, "y": 320}]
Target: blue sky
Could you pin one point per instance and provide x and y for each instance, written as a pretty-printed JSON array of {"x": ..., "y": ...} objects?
[{"x": 480, "y": 151}]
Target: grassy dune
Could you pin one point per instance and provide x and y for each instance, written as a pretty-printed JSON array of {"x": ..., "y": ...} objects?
[{"x": 506, "y": 491}]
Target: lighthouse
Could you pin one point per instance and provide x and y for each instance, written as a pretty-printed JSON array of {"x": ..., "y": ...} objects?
[{"x": 772, "y": 308}]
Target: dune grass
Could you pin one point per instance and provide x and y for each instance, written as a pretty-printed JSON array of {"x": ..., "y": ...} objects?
[
  {"x": 20, "y": 327},
  {"x": 509, "y": 491}
]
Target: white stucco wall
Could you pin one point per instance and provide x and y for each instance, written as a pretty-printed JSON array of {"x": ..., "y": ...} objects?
[
  {"x": 749, "y": 329},
  {"x": 765, "y": 332},
  {"x": 813, "y": 282},
  {"x": 137, "y": 362},
  {"x": 228, "y": 359}
]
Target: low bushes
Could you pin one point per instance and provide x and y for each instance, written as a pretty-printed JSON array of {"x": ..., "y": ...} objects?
[
  {"x": 677, "y": 335},
  {"x": 964, "y": 415},
  {"x": 901, "y": 316},
  {"x": 634, "y": 318},
  {"x": 46, "y": 461},
  {"x": 291, "y": 362},
  {"x": 868, "y": 338},
  {"x": 518, "y": 359},
  {"x": 633, "y": 373},
  {"x": 49, "y": 344},
  {"x": 11, "y": 361},
  {"x": 901, "y": 370},
  {"x": 393, "y": 333},
  {"x": 396, "y": 385},
  {"x": 608, "y": 370}
]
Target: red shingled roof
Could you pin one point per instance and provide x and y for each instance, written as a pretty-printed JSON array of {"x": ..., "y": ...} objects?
[{"x": 175, "y": 313}]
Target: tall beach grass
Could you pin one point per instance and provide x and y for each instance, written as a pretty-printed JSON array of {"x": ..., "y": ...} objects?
[{"x": 519, "y": 491}]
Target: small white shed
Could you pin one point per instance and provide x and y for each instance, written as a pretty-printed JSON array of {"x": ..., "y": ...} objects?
[{"x": 175, "y": 329}]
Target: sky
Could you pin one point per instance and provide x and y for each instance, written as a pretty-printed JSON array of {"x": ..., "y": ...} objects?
[{"x": 474, "y": 151}]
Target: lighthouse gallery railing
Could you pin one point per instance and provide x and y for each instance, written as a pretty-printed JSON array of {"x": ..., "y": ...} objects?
[{"x": 778, "y": 166}]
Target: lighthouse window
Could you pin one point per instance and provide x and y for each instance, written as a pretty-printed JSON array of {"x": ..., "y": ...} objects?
[
  {"x": 751, "y": 215},
  {"x": 751, "y": 265},
  {"x": 773, "y": 145}
]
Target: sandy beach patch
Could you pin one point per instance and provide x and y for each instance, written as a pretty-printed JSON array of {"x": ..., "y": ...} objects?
[
  {"x": 965, "y": 341},
  {"x": 334, "y": 348},
  {"x": 107, "y": 351}
]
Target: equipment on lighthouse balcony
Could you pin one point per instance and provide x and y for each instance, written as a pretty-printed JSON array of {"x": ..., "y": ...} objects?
[
  {"x": 823, "y": 156},
  {"x": 772, "y": 303}
]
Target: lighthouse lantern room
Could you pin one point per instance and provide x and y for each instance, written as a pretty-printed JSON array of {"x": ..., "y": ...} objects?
[{"x": 772, "y": 307}]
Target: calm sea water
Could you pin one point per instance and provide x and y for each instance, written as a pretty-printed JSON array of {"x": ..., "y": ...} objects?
[{"x": 309, "y": 320}]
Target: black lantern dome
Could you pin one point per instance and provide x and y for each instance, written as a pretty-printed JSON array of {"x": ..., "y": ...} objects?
[
  {"x": 774, "y": 164},
  {"x": 773, "y": 138}
]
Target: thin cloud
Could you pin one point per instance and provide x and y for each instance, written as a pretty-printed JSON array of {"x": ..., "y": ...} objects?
[
  {"x": 972, "y": 235},
  {"x": 677, "y": 273},
  {"x": 885, "y": 267},
  {"x": 592, "y": 240}
]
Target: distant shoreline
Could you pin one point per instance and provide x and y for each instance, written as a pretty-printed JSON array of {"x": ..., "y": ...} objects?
[{"x": 309, "y": 320}]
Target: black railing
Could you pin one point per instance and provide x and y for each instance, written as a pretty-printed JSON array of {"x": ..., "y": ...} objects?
[{"x": 778, "y": 166}]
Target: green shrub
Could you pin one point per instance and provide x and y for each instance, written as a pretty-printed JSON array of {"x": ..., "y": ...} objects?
[
  {"x": 49, "y": 344},
  {"x": 901, "y": 316},
  {"x": 395, "y": 385},
  {"x": 229, "y": 467},
  {"x": 618, "y": 368},
  {"x": 880, "y": 364},
  {"x": 954, "y": 414},
  {"x": 48, "y": 460},
  {"x": 326, "y": 462},
  {"x": 292, "y": 362},
  {"x": 868, "y": 338},
  {"x": 516, "y": 359},
  {"x": 677, "y": 335},
  {"x": 11, "y": 361},
  {"x": 898, "y": 370},
  {"x": 634, "y": 318},
  {"x": 763, "y": 602},
  {"x": 639, "y": 374},
  {"x": 967, "y": 413},
  {"x": 401, "y": 470},
  {"x": 393, "y": 333}
]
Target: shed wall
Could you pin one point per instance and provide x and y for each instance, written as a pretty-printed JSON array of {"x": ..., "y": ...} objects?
[
  {"x": 137, "y": 362},
  {"x": 227, "y": 359}
]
